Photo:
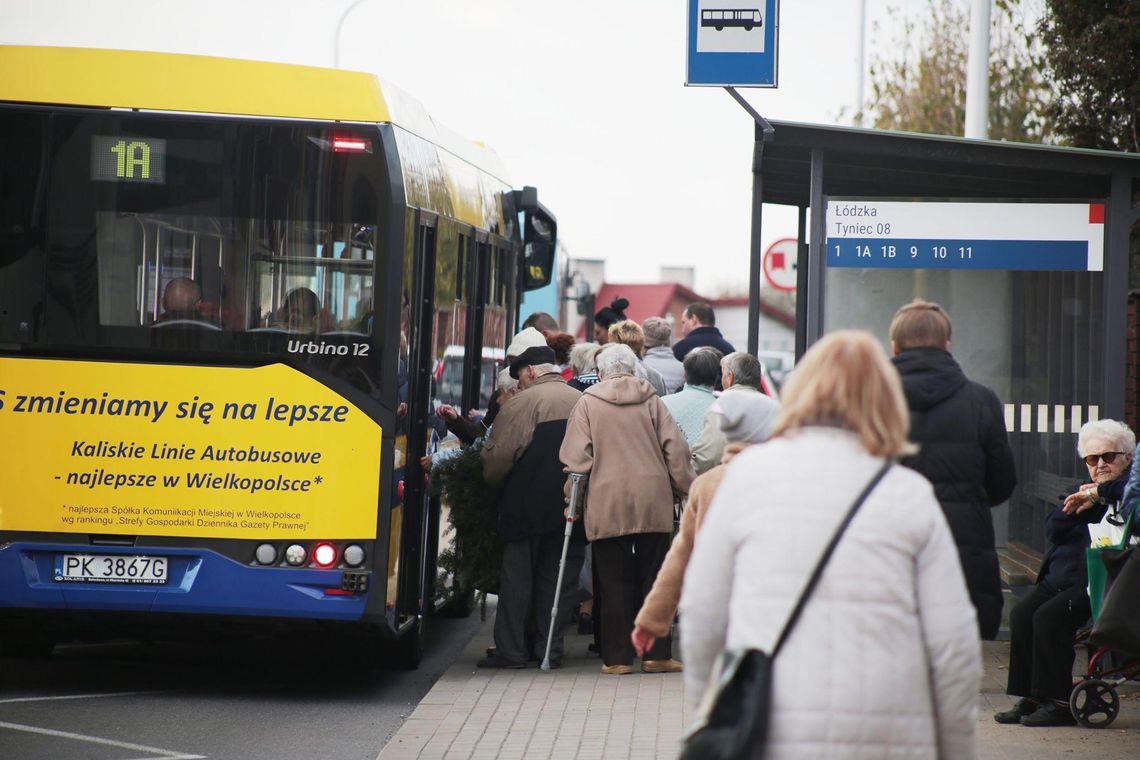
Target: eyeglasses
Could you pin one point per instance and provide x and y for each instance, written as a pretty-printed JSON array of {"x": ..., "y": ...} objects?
[{"x": 1109, "y": 457}]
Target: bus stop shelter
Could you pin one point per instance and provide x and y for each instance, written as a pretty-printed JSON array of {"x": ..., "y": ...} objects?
[{"x": 1036, "y": 320}]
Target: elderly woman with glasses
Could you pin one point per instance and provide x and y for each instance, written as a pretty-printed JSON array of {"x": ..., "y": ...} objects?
[{"x": 1044, "y": 623}]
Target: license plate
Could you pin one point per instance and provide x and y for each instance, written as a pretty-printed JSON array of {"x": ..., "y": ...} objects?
[{"x": 111, "y": 568}]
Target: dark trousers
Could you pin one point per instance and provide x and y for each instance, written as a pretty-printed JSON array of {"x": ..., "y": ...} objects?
[
  {"x": 526, "y": 595},
  {"x": 626, "y": 568},
  {"x": 1042, "y": 627}
]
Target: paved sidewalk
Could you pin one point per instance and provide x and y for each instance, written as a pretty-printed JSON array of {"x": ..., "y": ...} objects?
[
  {"x": 577, "y": 712},
  {"x": 1120, "y": 741},
  {"x": 573, "y": 712}
]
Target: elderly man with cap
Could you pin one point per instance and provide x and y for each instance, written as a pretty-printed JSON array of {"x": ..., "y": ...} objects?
[
  {"x": 522, "y": 457},
  {"x": 527, "y": 338}
]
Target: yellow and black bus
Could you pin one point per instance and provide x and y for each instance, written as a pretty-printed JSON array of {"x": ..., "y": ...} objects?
[{"x": 225, "y": 289}]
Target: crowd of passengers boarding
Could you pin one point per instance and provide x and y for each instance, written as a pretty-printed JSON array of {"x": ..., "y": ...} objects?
[{"x": 896, "y": 618}]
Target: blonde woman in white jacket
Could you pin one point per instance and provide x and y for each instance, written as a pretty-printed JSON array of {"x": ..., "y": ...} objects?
[{"x": 885, "y": 660}]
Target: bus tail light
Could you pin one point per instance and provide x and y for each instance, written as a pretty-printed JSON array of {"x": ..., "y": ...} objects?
[
  {"x": 354, "y": 555},
  {"x": 295, "y": 555},
  {"x": 324, "y": 554},
  {"x": 266, "y": 554}
]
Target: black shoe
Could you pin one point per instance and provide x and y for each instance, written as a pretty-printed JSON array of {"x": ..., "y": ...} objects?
[
  {"x": 1024, "y": 706},
  {"x": 495, "y": 661},
  {"x": 1050, "y": 714}
]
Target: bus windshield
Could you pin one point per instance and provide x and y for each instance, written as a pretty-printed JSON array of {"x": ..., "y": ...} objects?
[{"x": 224, "y": 233}]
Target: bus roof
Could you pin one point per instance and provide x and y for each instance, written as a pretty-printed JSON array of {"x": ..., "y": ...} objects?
[
  {"x": 194, "y": 83},
  {"x": 180, "y": 83}
]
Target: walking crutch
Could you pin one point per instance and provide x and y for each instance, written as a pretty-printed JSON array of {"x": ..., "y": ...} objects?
[{"x": 575, "y": 486}]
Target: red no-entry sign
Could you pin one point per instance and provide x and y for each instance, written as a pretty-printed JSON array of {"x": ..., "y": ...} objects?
[{"x": 780, "y": 264}]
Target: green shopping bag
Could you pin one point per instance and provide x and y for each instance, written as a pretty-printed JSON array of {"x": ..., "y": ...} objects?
[{"x": 1098, "y": 572}]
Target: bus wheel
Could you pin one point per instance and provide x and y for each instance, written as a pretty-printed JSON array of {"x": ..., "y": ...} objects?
[{"x": 409, "y": 650}]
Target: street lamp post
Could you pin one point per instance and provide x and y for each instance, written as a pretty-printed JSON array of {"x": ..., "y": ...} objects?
[{"x": 336, "y": 35}]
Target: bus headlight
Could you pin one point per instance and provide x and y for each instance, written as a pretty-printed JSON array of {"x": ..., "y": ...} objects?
[
  {"x": 353, "y": 555},
  {"x": 295, "y": 555}
]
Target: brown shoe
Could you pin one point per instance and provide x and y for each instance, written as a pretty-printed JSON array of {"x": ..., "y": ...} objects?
[
  {"x": 661, "y": 666},
  {"x": 617, "y": 670}
]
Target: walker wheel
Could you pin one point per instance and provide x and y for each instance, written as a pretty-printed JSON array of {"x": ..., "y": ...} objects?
[{"x": 1094, "y": 703}]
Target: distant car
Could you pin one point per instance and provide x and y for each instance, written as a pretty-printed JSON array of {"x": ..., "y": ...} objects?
[
  {"x": 449, "y": 375},
  {"x": 779, "y": 363},
  {"x": 767, "y": 384}
]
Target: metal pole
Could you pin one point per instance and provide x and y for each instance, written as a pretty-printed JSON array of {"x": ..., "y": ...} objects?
[
  {"x": 861, "y": 64},
  {"x": 816, "y": 253},
  {"x": 336, "y": 34},
  {"x": 802, "y": 270},
  {"x": 978, "y": 71},
  {"x": 755, "y": 253},
  {"x": 575, "y": 484},
  {"x": 767, "y": 132}
]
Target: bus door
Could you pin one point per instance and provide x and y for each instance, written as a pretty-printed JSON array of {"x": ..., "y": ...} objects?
[{"x": 415, "y": 575}]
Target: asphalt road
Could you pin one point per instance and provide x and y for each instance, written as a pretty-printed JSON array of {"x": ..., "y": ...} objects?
[{"x": 219, "y": 699}]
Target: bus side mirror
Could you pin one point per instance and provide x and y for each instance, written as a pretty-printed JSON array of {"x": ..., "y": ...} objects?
[{"x": 539, "y": 238}]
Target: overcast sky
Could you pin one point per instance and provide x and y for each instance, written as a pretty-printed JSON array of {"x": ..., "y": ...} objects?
[{"x": 583, "y": 99}]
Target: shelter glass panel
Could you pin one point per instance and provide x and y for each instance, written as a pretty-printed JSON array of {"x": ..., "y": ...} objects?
[{"x": 1031, "y": 336}]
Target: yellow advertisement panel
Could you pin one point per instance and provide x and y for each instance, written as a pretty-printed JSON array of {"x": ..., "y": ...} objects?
[{"x": 175, "y": 450}]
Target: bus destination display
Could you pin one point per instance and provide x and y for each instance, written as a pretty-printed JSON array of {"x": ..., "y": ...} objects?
[
  {"x": 128, "y": 159},
  {"x": 1067, "y": 237}
]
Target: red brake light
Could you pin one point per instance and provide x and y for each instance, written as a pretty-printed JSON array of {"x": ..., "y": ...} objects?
[
  {"x": 351, "y": 145},
  {"x": 324, "y": 555}
]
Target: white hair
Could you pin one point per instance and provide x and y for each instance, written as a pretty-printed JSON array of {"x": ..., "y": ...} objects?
[
  {"x": 1120, "y": 434},
  {"x": 545, "y": 369},
  {"x": 616, "y": 358},
  {"x": 505, "y": 382},
  {"x": 582, "y": 357}
]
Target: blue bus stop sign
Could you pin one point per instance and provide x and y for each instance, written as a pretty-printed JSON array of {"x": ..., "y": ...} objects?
[{"x": 732, "y": 43}]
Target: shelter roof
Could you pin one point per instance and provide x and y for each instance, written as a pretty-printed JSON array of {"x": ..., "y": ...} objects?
[{"x": 879, "y": 163}]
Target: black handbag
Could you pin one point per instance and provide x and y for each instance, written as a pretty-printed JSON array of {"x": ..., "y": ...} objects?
[{"x": 736, "y": 722}]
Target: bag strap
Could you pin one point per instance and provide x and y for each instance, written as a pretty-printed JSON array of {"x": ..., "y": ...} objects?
[{"x": 819, "y": 567}]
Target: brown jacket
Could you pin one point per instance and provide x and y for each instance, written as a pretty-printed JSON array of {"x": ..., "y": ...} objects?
[
  {"x": 521, "y": 456},
  {"x": 636, "y": 457},
  {"x": 656, "y": 615}
]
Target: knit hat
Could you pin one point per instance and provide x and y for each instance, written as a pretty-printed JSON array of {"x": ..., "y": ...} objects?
[
  {"x": 543, "y": 354},
  {"x": 528, "y": 338},
  {"x": 746, "y": 417}
]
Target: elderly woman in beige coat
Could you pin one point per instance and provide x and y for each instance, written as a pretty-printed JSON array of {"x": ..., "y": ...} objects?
[
  {"x": 638, "y": 464},
  {"x": 885, "y": 660},
  {"x": 743, "y": 419}
]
